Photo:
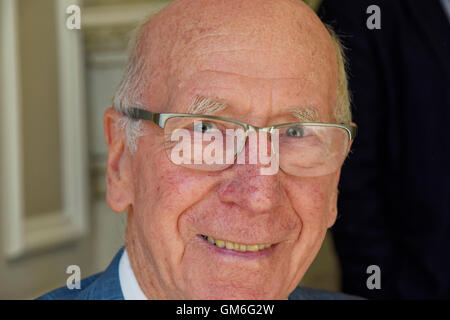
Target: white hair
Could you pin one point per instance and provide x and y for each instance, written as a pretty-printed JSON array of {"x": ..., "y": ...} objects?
[
  {"x": 342, "y": 110},
  {"x": 135, "y": 80},
  {"x": 132, "y": 87}
]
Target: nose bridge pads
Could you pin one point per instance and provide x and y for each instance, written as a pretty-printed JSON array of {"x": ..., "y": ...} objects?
[
  {"x": 241, "y": 148},
  {"x": 268, "y": 150},
  {"x": 252, "y": 141}
]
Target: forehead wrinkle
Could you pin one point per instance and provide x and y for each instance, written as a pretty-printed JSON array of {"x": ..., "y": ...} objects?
[
  {"x": 192, "y": 43},
  {"x": 232, "y": 41},
  {"x": 242, "y": 75}
]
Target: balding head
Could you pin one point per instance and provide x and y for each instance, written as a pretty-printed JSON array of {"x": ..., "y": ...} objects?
[
  {"x": 262, "y": 62},
  {"x": 161, "y": 47}
]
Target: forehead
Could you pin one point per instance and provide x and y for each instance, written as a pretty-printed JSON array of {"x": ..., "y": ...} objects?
[
  {"x": 277, "y": 53},
  {"x": 282, "y": 44}
]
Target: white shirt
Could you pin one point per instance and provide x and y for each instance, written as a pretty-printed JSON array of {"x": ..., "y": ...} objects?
[{"x": 130, "y": 287}]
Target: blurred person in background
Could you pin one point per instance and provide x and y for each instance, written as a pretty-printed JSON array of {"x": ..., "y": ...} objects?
[{"x": 394, "y": 201}]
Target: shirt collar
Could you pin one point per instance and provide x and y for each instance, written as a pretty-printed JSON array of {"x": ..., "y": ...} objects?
[{"x": 130, "y": 287}]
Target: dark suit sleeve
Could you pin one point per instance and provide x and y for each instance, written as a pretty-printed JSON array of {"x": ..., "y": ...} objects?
[{"x": 361, "y": 232}]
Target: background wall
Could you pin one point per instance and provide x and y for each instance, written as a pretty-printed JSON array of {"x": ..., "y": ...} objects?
[{"x": 106, "y": 25}]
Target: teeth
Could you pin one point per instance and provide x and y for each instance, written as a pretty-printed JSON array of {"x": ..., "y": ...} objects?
[
  {"x": 237, "y": 246},
  {"x": 220, "y": 243}
]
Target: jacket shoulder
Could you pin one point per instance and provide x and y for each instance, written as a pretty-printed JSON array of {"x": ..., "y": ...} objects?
[
  {"x": 65, "y": 293},
  {"x": 101, "y": 286},
  {"x": 303, "y": 293}
]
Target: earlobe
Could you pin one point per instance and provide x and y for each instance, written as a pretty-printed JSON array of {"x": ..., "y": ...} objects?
[
  {"x": 351, "y": 142},
  {"x": 349, "y": 147},
  {"x": 118, "y": 173},
  {"x": 333, "y": 209}
]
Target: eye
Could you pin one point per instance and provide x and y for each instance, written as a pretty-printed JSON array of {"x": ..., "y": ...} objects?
[
  {"x": 296, "y": 132},
  {"x": 205, "y": 127}
]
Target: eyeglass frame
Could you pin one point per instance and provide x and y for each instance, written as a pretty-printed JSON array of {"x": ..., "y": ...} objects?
[{"x": 160, "y": 119}]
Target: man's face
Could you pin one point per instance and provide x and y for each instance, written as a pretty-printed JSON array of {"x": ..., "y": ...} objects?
[{"x": 261, "y": 73}]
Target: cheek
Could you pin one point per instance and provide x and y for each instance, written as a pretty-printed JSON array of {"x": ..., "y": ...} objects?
[
  {"x": 164, "y": 191},
  {"x": 157, "y": 180},
  {"x": 310, "y": 198}
]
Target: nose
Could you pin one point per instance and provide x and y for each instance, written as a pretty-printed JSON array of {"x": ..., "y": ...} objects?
[{"x": 246, "y": 187}]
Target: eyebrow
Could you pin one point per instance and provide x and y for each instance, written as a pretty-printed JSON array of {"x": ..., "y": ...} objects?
[
  {"x": 206, "y": 105},
  {"x": 309, "y": 114},
  {"x": 209, "y": 105}
]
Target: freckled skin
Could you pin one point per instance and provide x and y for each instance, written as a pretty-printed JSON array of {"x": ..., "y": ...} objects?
[{"x": 262, "y": 57}]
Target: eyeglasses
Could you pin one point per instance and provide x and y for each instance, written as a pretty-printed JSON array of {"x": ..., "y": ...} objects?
[{"x": 211, "y": 143}]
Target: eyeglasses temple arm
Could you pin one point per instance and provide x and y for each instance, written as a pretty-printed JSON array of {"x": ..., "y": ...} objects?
[{"x": 140, "y": 114}]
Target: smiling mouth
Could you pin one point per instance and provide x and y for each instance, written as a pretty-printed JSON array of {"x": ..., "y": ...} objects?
[{"x": 236, "y": 246}]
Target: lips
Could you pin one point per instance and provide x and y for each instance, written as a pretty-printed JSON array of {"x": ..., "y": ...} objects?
[{"x": 235, "y": 246}]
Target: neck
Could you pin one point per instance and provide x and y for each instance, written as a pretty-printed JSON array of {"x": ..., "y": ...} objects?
[{"x": 145, "y": 268}]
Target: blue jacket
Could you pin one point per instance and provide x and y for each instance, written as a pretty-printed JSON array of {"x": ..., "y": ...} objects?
[{"x": 106, "y": 286}]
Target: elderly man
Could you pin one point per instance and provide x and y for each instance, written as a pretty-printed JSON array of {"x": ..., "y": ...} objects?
[{"x": 239, "y": 72}]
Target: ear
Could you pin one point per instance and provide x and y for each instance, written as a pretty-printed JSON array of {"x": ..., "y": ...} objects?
[
  {"x": 118, "y": 168},
  {"x": 334, "y": 195},
  {"x": 332, "y": 212},
  {"x": 351, "y": 142}
]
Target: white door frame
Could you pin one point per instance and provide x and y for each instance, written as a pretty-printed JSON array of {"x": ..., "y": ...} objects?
[{"x": 22, "y": 234}]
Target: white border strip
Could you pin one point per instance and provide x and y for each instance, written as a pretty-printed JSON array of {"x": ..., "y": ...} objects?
[
  {"x": 22, "y": 234},
  {"x": 12, "y": 188}
]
